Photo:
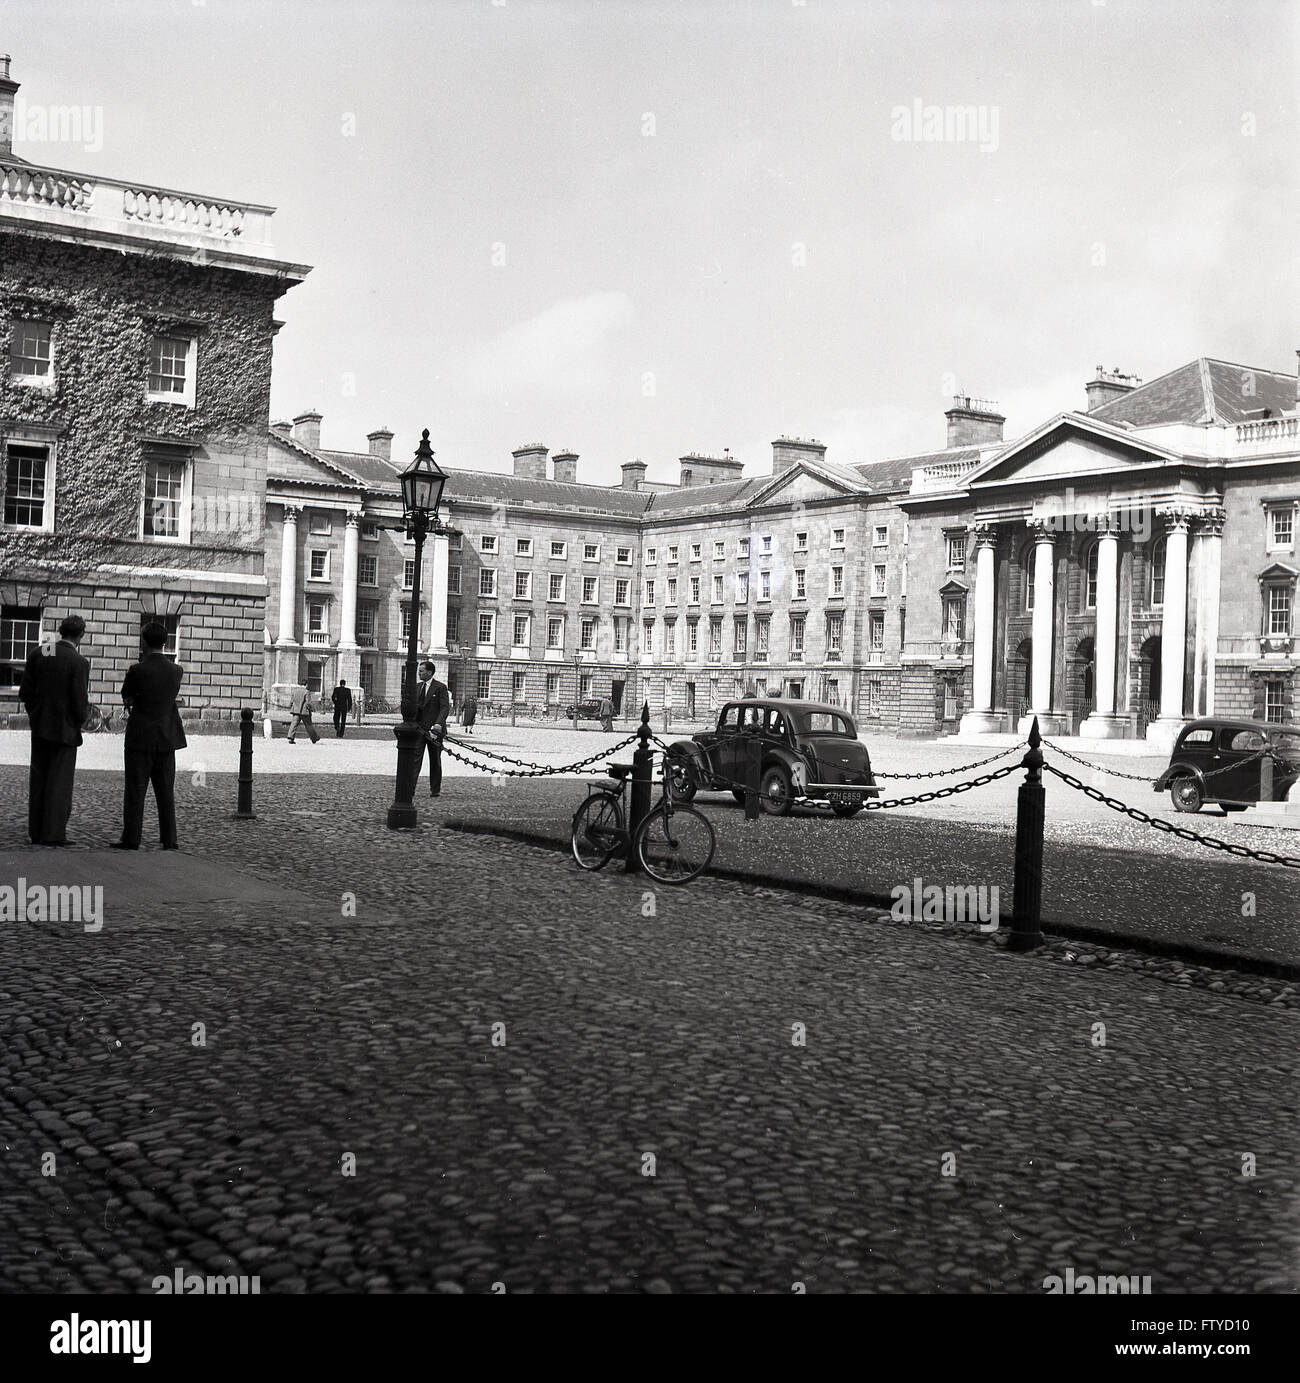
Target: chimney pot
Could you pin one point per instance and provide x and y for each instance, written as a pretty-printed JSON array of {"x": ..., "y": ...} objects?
[
  {"x": 306, "y": 429},
  {"x": 8, "y": 88},
  {"x": 1106, "y": 385},
  {"x": 381, "y": 443},
  {"x": 973, "y": 422},
  {"x": 633, "y": 474}
]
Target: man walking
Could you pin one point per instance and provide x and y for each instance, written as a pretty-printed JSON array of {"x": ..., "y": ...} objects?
[
  {"x": 432, "y": 703},
  {"x": 300, "y": 706},
  {"x": 55, "y": 691},
  {"x": 153, "y": 735},
  {"x": 606, "y": 714},
  {"x": 342, "y": 699}
]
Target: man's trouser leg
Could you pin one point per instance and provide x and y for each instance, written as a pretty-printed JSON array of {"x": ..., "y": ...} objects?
[
  {"x": 136, "y": 764},
  {"x": 39, "y": 772},
  {"x": 56, "y": 807},
  {"x": 162, "y": 774},
  {"x": 435, "y": 768}
]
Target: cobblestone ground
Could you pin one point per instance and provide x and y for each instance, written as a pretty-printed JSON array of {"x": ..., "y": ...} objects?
[{"x": 631, "y": 1043}]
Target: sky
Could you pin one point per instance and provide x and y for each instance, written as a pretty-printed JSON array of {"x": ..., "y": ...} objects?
[{"x": 652, "y": 227}]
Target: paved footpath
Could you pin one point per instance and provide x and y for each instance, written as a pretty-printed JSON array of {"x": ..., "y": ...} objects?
[{"x": 501, "y": 1070}]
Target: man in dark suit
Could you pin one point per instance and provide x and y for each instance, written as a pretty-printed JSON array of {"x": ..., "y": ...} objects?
[
  {"x": 55, "y": 691},
  {"x": 432, "y": 703},
  {"x": 342, "y": 699},
  {"x": 153, "y": 735}
]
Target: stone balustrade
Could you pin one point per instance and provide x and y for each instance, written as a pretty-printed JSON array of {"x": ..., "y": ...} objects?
[{"x": 941, "y": 475}]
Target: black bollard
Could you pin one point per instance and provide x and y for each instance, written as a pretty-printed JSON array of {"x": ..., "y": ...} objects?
[
  {"x": 1027, "y": 886},
  {"x": 643, "y": 758},
  {"x": 753, "y": 776},
  {"x": 244, "y": 810}
]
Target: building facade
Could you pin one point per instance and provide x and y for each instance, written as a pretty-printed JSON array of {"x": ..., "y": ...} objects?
[{"x": 134, "y": 406}]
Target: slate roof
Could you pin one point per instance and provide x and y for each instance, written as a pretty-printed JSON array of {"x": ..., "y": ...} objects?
[
  {"x": 372, "y": 471},
  {"x": 497, "y": 486},
  {"x": 895, "y": 472},
  {"x": 703, "y": 497},
  {"x": 1203, "y": 391}
]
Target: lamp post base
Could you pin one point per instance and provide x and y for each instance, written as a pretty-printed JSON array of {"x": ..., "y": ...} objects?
[{"x": 402, "y": 815}]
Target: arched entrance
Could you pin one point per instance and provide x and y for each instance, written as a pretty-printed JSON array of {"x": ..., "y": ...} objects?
[
  {"x": 1020, "y": 679},
  {"x": 1149, "y": 676}
]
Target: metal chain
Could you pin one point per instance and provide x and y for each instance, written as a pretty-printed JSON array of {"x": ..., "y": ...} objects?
[
  {"x": 525, "y": 763},
  {"x": 537, "y": 772},
  {"x": 946, "y": 772},
  {"x": 1159, "y": 824},
  {"x": 1145, "y": 777}
]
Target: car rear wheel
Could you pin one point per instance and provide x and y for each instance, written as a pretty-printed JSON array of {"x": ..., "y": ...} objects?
[
  {"x": 681, "y": 786},
  {"x": 777, "y": 794},
  {"x": 1186, "y": 795}
]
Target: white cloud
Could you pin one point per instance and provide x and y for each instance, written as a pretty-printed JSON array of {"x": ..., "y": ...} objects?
[{"x": 565, "y": 348}]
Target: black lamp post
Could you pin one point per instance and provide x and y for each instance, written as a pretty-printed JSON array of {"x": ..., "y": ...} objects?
[{"x": 422, "y": 483}]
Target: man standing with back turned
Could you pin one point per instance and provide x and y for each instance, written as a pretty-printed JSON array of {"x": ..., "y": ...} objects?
[
  {"x": 432, "y": 702},
  {"x": 54, "y": 690},
  {"x": 153, "y": 735},
  {"x": 342, "y": 700}
]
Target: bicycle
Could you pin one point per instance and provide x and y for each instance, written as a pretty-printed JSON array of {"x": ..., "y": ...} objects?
[
  {"x": 98, "y": 720},
  {"x": 673, "y": 844}
]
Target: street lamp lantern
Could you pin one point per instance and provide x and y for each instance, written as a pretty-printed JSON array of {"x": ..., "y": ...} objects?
[{"x": 422, "y": 482}]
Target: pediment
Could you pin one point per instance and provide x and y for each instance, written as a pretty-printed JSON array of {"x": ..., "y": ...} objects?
[
  {"x": 954, "y": 587},
  {"x": 295, "y": 463},
  {"x": 1068, "y": 448},
  {"x": 1279, "y": 571},
  {"x": 802, "y": 485}
]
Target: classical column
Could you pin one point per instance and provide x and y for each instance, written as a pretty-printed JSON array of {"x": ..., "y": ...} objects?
[
  {"x": 980, "y": 718},
  {"x": 1209, "y": 539},
  {"x": 351, "y": 538},
  {"x": 289, "y": 575},
  {"x": 1173, "y": 631},
  {"x": 1040, "y": 691},
  {"x": 1102, "y": 722},
  {"x": 435, "y": 630}
]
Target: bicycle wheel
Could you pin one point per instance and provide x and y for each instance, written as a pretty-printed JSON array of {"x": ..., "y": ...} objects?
[
  {"x": 95, "y": 720},
  {"x": 597, "y": 830},
  {"x": 674, "y": 844}
]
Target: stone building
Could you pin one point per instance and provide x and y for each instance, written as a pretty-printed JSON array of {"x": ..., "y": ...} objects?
[{"x": 134, "y": 404}]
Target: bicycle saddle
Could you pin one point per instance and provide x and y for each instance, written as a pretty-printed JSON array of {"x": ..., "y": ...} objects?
[{"x": 619, "y": 771}]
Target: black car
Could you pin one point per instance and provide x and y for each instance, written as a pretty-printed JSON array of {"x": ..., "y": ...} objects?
[
  {"x": 810, "y": 752},
  {"x": 585, "y": 710},
  {"x": 1234, "y": 763}
]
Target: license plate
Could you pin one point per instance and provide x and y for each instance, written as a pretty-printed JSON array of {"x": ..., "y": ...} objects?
[{"x": 845, "y": 799}]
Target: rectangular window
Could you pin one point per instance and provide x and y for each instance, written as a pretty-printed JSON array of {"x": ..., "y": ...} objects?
[
  {"x": 715, "y": 637},
  {"x": 649, "y": 591},
  {"x": 742, "y": 547},
  {"x": 834, "y": 635},
  {"x": 518, "y": 685},
  {"x": 837, "y": 537},
  {"x": 719, "y": 595},
  {"x": 27, "y": 486},
  {"x": 695, "y": 590},
  {"x": 800, "y": 583},
  {"x": 171, "y": 369},
  {"x": 453, "y": 540},
  {"x": 878, "y": 579},
  {"x": 555, "y": 586},
  {"x": 740, "y": 636},
  {"x": 370, "y": 532},
  {"x": 876, "y": 632},
  {"x": 453, "y": 626},
  {"x": 762, "y": 636},
  {"x": 20, "y": 633},
  {"x": 584, "y": 687},
  {"x": 651, "y": 556},
  {"x": 623, "y": 555},
  {"x": 949, "y": 699},
  {"x": 319, "y": 522},
  {"x": 591, "y": 552},
  {"x": 647, "y": 636},
  {"x": 719, "y": 550},
  {"x": 406, "y": 624},
  {"x": 164, "y": 485},
  {"x": 765, "y": 544},
  {"x": 672, "y": 591},
  {"x": 590, "y": 588},
  {"x": 692, "y": 637},
  {"x": 453, "y": 579},
  {"x": 765, "y": 585},
  {"x": 623, "y": 591},
  {"x": 954, "y": 618},
  {"x": 1281, "y": 527},
  {"x": 696, "y": 551},
  {"x": 30, "y": 358},
  {"x": 487, "y": 543},
  {"x": 316, "y": 617},
  {"x": 742, "y": 587},
  {"x": 523, "y": 547},
  {"x": 587, "y": 634},
  {"x": 366, "y": 623},
  {"x": 555, "y": 632},
  {"x": 837, "y": 580},
  {"x": 796, "y": 633},
  {"x": 620, "y": 634},
  {"x": 875, "y": 695},
  {"x": 1275, "y": 701},
  {"x": 552, "y": 688},
  {"x": 521, "y": 631},
  {"x": 484, "y": 683},
  {"x": 957, "y": 552},
  {"x": 408, "y": 574},
  {"x": 880, "y": 535},
  {"x": 670, "y": 638},
  {"x": 487, "y": 628},
  {"x": 487, "y": 581},
  {"x": 559, "y": 549},
  {"x": 523, "y": 585},
  {"x": 368, "y": 571},
  {"x": 801, "y": 542},
  {"x": 672, "y": 553},
  {"x": 318, "y": 568},
  {"x": 315, "y": 682},
  {"x": 1279, "y": 610}
]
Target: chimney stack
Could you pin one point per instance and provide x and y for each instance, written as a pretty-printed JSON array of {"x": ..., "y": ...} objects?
[
  {"x": 708, "y": 470},
  {"x": 381, "y": 443},
  {"x": 1107, "y": 385},
  {"x": 789, "y": 451},
  {"x": 973, "y": 422},
  {"x": 633, "y": 474},
  {"x": 8, "y": 89},
  {"x": 564, "y": 466},
  {"x": 282, "y": 427},
  {"x": 530, "y": 461},
  {"x": 306, "y": 429}
]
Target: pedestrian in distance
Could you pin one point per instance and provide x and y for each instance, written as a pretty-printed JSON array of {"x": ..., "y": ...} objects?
[
  {"x": 606, "y": 714},
  {"x": 55, "y": 689},
  {"x": 342, "y": 700},
  {"x": 358, "y": 704},
  {"x": 469, "y": 714},
  {"x": 300, "y": 707},
  {"x": 153, "y": 735},
  {"x": 432, "y": 704}
]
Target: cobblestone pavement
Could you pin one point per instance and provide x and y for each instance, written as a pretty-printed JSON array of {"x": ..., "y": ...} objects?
[{"x": 630, "y": 1043}]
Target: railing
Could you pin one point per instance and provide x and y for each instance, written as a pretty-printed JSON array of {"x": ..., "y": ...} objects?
[
  {"x": 318, "y": 638},
  {"x": 940, "y": 475},
  {"x": 796, "y": 655},
  {"x": 834, "y": 655},
  {"x": 1274, "y": 431},
  {"x": 761, "y": 656},
  {"x": 26, "y": 186}
]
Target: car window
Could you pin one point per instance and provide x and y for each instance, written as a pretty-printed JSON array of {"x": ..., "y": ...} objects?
[
  {"x": 826, "y": 723},
  {"x": 776, "y": 724},
  {"x": 751, "y": 717},
  {"x": 1288, "y": 744},
  {"x": 728, "y": 719},
  {"x": 1246, "y": 741},
  {"x": 1198, "y": 737}
]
